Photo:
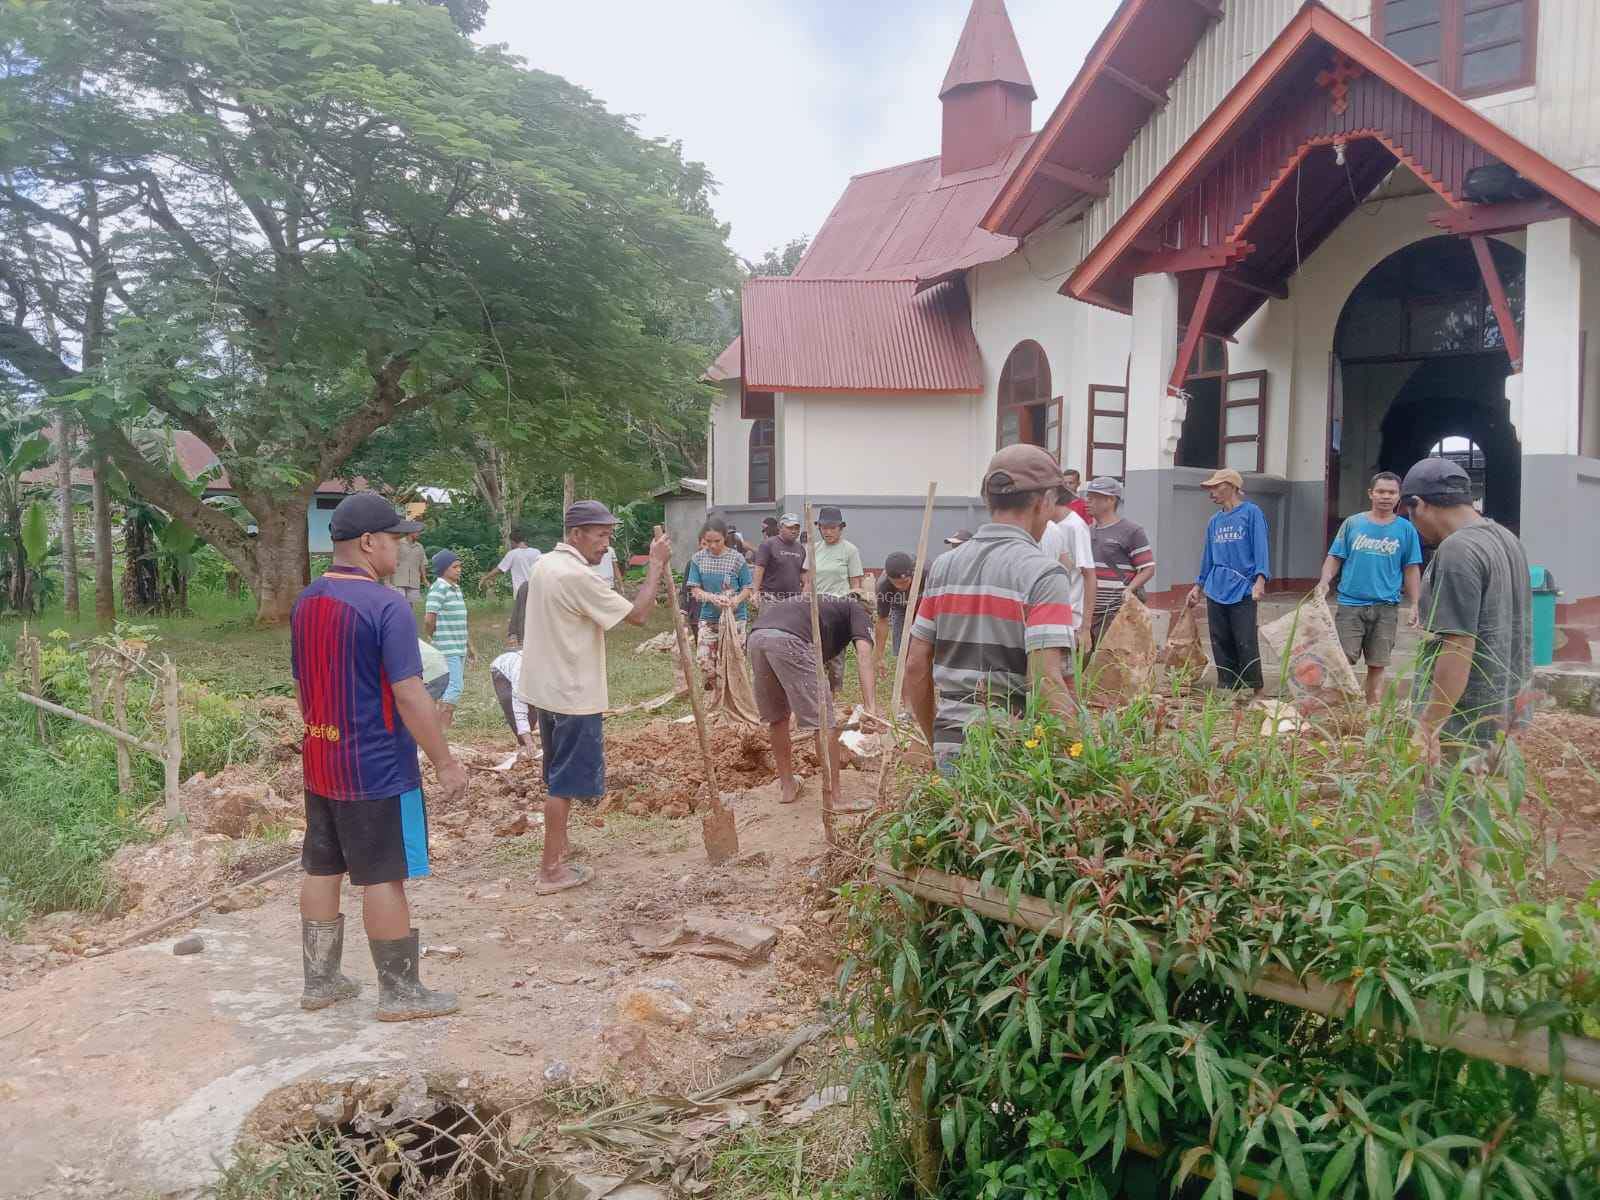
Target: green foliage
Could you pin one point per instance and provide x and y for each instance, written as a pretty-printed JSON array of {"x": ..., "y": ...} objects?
[
  {"x": 36, "y": 532},
  {"x": 1183, "y": 854}
]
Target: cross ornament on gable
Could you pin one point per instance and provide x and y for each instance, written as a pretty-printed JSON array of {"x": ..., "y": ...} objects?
[{"x": 1336, "y": 80}]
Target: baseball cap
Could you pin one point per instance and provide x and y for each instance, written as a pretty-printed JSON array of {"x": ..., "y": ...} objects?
[
  {"x": 1437, "y": 479},
  {"x": 367, "y": 512},
  {"x": 1104, "y": 485},
  {"x": 1020, "y": 468},
  {"x": 444, "y": 560},
  {"x": 1226, "y": 475},
  {"x": 829, "y": 515},
  {"x": 789, "y": 519},
  {"x": 897, "y": 564},
  {"x": 959, "y": 537},
  {"x": 588, "y": 512}
]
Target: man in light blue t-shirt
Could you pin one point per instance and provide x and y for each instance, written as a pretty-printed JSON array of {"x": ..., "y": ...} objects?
[{"x": 1377, "y": 556}]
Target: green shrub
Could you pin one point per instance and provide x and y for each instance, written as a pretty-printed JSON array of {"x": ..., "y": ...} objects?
[{"x": 1049, "y": 1054}]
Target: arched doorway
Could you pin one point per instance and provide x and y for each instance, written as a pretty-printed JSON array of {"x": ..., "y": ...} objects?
[{"x": 1419, "y": 366}]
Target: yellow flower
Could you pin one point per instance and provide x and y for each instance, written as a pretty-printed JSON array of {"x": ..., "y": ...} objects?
[
  {"x": 1316, "y": 822},
  {"x": 1032, "y": 743},
  {"x": 1076, "y": 749},
  {"x": 1038, "y": 731}
]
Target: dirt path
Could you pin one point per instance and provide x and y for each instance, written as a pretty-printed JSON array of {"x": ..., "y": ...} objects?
[{"x": 132, "y": 1073}]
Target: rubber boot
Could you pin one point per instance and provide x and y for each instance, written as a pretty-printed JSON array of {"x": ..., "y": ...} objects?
[
  {"x": 401, "y": 996},
  {"x": 322, "y": 948}
]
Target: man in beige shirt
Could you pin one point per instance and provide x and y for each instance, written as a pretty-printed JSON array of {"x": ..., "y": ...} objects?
[
  {"x": 569, "y": 609},
  {"x": 409, "y": 569}
]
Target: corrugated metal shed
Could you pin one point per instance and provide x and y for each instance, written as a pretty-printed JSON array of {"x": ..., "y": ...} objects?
[
  {"x": 988, "y": 51},
  {"x": 853, "y": 335}
]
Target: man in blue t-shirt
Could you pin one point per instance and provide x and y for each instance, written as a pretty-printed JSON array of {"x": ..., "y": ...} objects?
[
  {"x": 358, "y": 672},
  {"x": 1234, "y": 570},
  {"x": 1377, "y": 556}
]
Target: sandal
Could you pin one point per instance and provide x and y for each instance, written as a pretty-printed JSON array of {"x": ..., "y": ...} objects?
[{"x": 584, "y": 875}]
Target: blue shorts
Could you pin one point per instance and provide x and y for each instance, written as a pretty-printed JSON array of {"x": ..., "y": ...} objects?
[
  {"x": 458, "y": 678},
  {"x": 574, "y": 755}
]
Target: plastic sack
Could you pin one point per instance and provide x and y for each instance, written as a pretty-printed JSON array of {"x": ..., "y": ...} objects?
[
  {"x": 1126, "y": 656},
  {"x": 1317, "y": 675},
  {"x": 1184, "y": 650},
  {"x": 733, "y": 692}
]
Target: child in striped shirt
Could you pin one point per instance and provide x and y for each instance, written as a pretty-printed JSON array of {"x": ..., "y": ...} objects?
[{"x": 446, "y": 616}]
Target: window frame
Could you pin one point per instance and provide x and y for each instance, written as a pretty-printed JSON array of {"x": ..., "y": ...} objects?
[
  {"x": 769, "y": 450},
  {"x": 1033, "y": 412},
  {"x": 1095, "y": 389},
  {"x": 1452, "y": 20},
  {"x": 1259, "y": 437}
]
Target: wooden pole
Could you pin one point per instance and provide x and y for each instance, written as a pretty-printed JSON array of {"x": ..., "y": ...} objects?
[
  {"x": 905, "y": 642},
  {"x": 119, "y": 716},
  {"x": 110, "y": 731},
  {"x": 824, "y": 695},
  {"x": 569, "y": 489},
  {"x": 717, "y": 827},
  {"x": 36, "y": 679},
  {"x": 172, "y": 758}
]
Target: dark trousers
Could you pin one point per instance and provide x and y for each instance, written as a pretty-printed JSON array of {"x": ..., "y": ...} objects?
[
  {"x": 508, "y": 700},
  {"x": 1235, "y": 646}
]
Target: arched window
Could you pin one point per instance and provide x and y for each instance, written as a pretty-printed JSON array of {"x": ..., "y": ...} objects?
[
  {"x": 1026, "y": 411},
  {"x": 1467, "y": 454},
  {"x": 763, "y": 435}
]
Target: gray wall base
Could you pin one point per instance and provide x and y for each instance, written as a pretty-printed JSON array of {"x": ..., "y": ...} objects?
[{"x": 1561, "y": 520}]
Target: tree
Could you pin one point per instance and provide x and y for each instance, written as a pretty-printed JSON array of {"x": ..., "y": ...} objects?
[
  {"x": 283, "y": 225},
  {"x": 24, "y": 522},
  {"x": 468, "y": 15},
  {"x": 780, "y": 260}
]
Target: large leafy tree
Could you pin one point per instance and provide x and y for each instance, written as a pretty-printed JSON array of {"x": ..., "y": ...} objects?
[{"x": 283, "y": 225}]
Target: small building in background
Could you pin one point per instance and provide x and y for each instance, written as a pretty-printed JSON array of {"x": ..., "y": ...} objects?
[{"x": 685, "y": 502}]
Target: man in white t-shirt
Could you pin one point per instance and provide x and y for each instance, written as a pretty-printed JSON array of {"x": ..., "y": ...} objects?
[
  {"x": 1066, "y": 540},
  {"x": 518, "y": 563},
  {"x": 606, "y": 570}
]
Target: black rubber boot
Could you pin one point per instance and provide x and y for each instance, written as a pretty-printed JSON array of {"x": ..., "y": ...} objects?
[
  {"x": 322, "y": 947},
  {"x": 401, "y": 996}
]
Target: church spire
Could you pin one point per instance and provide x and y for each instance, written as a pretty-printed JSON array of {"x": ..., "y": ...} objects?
[{"x": 987, "y": 93}]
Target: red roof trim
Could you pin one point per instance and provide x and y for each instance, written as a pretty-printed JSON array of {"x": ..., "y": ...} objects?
[{"x": 1316, "y": 21}]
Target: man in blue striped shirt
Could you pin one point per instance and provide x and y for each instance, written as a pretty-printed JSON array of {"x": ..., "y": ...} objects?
[{"x": 1233, "y": 577}]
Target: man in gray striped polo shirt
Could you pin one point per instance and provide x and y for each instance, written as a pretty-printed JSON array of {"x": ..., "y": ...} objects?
[{"x": 996, "y": 617}]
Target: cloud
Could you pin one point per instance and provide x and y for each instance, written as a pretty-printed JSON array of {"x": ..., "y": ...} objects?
[{"x": 784, "y": 100}]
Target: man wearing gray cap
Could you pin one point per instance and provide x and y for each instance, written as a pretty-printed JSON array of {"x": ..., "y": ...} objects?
[
  {"x": 1123, "y": 559},
  {"x": 569, "y": 609},
  {"x": 1472, "y": 685},
  {"x": 779, "y": 566},
  {"x": 996, "y": 619}
]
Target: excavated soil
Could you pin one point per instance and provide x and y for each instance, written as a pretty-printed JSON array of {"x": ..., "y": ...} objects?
[{"x": 659, "y": 768}]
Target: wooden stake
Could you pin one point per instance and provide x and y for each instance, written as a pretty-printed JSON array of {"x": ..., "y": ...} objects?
[
  {"x": 110, "y": 731},
  {"x": 824, "y": 695},
  {"x": 172, "y": 758},
  {"x": 119, "y": 717},
  {"x": 717, "y": 828},
  {"x": 36, "y": 678},
  {"x": 905, "y": 641}
]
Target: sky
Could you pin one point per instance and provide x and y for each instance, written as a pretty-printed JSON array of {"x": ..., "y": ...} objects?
[{"x": 783, "y": 100}]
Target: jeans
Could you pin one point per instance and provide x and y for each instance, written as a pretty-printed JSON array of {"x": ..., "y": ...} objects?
[
  {"x": 1235, "y": 646},
  {"x": 458, "y": 678}
]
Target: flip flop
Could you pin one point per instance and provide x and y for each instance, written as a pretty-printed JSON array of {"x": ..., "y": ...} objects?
[{"x": 584, "y": 875}]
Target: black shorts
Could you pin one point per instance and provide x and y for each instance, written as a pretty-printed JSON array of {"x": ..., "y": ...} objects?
[{"x": 375, "y": 841}]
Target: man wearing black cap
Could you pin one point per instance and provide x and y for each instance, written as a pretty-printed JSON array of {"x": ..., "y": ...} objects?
[
  {"x": 569, "y": 610},
  {"x": 1476, "y": 604},
  {"x": 997, "y": 617},
  {"x": 893, "y": 594},
  {"x": 357, "y": 666}
]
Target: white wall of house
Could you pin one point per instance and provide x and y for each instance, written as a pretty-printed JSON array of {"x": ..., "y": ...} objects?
[
  {"x": 843, "y": 444},
  {"x": 729, "y": 441}
]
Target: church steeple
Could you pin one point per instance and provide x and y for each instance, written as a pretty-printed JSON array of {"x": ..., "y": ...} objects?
[{"x": 987, "y": 93}]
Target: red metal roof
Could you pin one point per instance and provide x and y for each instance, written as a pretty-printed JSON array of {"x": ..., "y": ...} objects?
[
  {"x": 1127, "y": 71},
  {"x": 855, "y": 335},
  {"x": 1231, "y": 189},
  {"x": 988, "y": 51},
  {"x": 726, "y": 365}
]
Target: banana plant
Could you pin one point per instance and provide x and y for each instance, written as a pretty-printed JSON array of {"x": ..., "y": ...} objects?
[{"x": 24, "y": 524}]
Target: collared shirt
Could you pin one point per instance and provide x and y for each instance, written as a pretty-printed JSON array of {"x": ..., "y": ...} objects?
[
  {"x": 569, "y": 611},
  {"x": 408, "y": 567},
  {"x": 1235, "y": 554},
  {"x": 351, "y": 640},
  {"x": 989, "y": 604},
  {"x": 449, "y": 607},
  {"x": 718, "y": 573}
]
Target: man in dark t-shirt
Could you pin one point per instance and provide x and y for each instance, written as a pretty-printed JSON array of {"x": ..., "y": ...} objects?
[
  {"x": 894, "y": 594},
  {"x": 783, "y": 663},
  {"x": 1472, "y": 689},
  {"x": 780, "y": 563},
  {"x": 358, "y": 672}
]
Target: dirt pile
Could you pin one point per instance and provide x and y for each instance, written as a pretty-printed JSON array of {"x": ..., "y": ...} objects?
[
  {"x": 658, "y": 767},
  {"x": 237, "y": 803}
]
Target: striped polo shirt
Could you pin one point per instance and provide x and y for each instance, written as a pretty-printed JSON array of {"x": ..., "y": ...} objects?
[
  {"x": 987, "y": 605},
  {"x": 449, "y": 607}
]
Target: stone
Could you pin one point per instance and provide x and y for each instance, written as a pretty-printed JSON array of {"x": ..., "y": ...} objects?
[
  {"x": 496, "y": 935},
  {"x": 628, "y": 1044},
  {"x": 447, "y": 953},
  {"x": 558, "y": 1072},
  {"x": 514, "y": 828},
  {"x": 654, "y": 1006},
  {"x": 822, "y": 916},
  {"x": 240, "y": 899},
  {"x": 708, "y": 937},
  {"x": 192, "y": 944}
]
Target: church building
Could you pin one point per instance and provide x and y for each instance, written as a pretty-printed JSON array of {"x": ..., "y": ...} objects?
[{"x": 1309, "y": 241}]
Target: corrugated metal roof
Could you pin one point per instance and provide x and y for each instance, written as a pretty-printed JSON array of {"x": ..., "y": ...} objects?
[
  {"x": 988, "y": 51},
  {"x": 726, "y": 365},
  {"x": 855, "y": 335}
]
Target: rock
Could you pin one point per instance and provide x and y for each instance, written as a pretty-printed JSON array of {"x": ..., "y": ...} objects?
[
  {"x": 628, "y": 1044},
  {"x": 448, "y": 953},
  {"x": 822, "y": 916},
  {"x": 558, "y": 1072},
  {"x": 192, "y": 944},
  {"x": 654, "y": 1006},
  {"x": 637, "y": 809},
  {"x": 496, "y": 935},
  {"x": 575, "y": 935},
  {"x": 240, "y": 899},
  {"x": 708, "y": 937},
  {"x": 234, "y": 804},
  {"x": 514, "y": 828}
]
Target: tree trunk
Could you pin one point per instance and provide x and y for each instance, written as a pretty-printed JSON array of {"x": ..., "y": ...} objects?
[
  {"x": 282, "y": 558},
  {"x": 69, "y": 534},
  {"x": 141, "y": 569},
  {"x": 105, "y": 600}
]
